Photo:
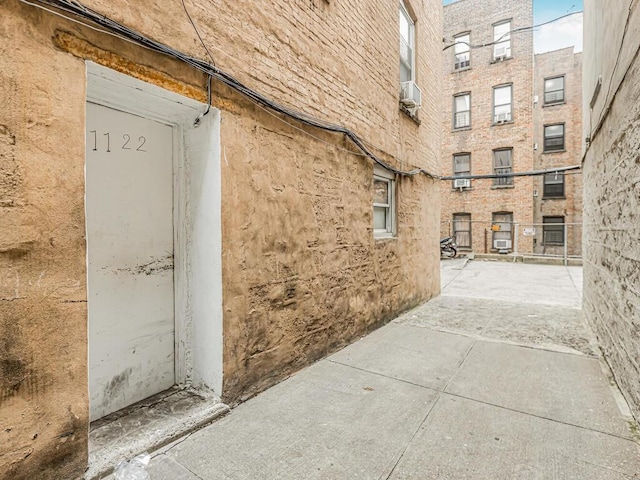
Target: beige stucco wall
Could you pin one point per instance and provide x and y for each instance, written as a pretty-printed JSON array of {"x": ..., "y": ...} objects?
[
  {"x": 612, "y": 188},
  {"x": 302, "y": 274}
]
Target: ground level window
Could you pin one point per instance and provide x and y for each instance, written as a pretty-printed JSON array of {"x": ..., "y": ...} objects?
[
  {"x": 383, "y": 203},
  {"x": 501, "y": 226},
  {"x": 553, "y": 231},
  {"x": 462, "y": 229}
]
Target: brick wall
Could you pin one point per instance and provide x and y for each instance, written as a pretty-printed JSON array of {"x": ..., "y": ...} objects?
[
  {"x": 483, "y": 198},
  {"x": 568, "y": 112},
  {"x": 612, "y": 189},
  {"x": 302, "y": 273}
]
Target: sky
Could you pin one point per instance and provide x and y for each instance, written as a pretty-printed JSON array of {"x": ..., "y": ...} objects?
[{"x": 560, "y": 34}]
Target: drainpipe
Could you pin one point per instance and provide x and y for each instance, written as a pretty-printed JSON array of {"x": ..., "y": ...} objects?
[{"x": 564, "y": 234}]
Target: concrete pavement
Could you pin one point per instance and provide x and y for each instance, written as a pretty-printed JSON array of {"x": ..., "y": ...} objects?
[{"x": 498, "y": 378}]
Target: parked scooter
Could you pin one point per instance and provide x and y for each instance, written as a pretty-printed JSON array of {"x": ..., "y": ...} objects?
[{"x": 448, "y": 248}]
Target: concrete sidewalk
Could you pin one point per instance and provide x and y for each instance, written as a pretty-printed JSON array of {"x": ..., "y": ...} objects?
[{"x": 498, "y": 378}]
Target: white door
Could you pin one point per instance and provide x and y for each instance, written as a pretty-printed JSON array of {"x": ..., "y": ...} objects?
[{"x": 129, "y": 216}]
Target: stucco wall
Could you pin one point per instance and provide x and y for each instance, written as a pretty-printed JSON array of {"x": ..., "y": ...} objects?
[
  {"x": 483, "y": 198},
  {"x": 302, "y": 274},
  {"x": 612, "y": 189}
]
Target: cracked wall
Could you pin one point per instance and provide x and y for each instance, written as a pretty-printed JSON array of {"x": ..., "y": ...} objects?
[{"x": 302, "y": 273}]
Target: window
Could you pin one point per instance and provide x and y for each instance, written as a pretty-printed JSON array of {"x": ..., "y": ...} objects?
[
  {"x": 502, "y": 163},
  {"x": 554, "y": 184},
  {"x": 462, "y": 229},
  {"x": 462, "y": 110},
  {"x": 501, "y": 227},
  {"x": 553, "y": 230},
  {"x": 554, "y": 137},
  {"x": 407, "y": 45},
  {"x": 502, "y": 104},
  {"x": 461, "y": 166},
  {"x": 553, "y": 90},
  {"x": 462, "y": 51},
  {"x": 502, "y": 40},
  {"x": 383, "y": 203}
]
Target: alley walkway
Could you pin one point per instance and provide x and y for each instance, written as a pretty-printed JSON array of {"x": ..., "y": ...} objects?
[{"x": 498, "y": 378}]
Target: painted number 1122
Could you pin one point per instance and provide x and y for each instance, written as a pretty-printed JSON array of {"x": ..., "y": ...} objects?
[{"x": 107, "y": 143}]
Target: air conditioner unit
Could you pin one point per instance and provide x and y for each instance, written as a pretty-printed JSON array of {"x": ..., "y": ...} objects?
[
  {"x": 410, "y": 94},
  {"x": 462, "y": 183},
  {"x": 502, "y": 244},
  {"x": 502, "y": 117},
  {"x": 500, "y": 53}
]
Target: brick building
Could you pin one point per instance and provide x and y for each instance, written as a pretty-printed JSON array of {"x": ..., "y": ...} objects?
[
  {"x": 492, "y": 124},
  {"x": 557, "y": 116},
  {"x": 611, "y": 124},
  {"x": 487, "y": 122},
  {"x": 150, "y": 239}
]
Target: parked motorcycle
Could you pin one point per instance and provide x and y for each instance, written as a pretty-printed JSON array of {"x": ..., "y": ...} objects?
[{"x": 448, "y": 248}]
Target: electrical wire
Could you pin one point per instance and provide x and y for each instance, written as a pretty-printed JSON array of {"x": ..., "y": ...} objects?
[
  {"x": 533, "y": 173},
  {"x": 515, "y": 30},
  {"x": 77, "y": 9},
  {"x": 198, "y": 33}
]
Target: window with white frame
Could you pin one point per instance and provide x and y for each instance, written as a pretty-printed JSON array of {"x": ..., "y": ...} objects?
[
  {"x": 383, "y": 203},
  {"x": 407, "y": 46},
  {"x": 462, "y": 229},
  {"x": 462, "y": 51},
  {"x": 502, "y": 104},
  {"x": 461, "y": 166},
  {"x": 554, "y": 90},
  {"x": 502, "y": 40},
  {"x": 462, "y": 110},
  {"x": 503, "y": 164},
  {"x": 502, "y": 226}
]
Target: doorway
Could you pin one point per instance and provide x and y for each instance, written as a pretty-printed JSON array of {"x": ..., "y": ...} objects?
[{"x": 154, "y": 256}]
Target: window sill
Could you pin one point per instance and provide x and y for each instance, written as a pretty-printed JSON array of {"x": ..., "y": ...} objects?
[
  {"x": 412, "y": 116},
  {"x": 552, "y": 244},
  {"x": 457, "y": 70},
  {"x": 510, "y": 122},
  {"x": 554, "y": 151},
  {"x": 381, "y": 237},
  {"x": 494, "y": 61},
  {"x": 461, "y": 129},
  {"x": 501, "y": 187},
  {"x": 554, "y": 198},
  {"x": 554, "y": 104},
  {"x": 464, "y": 189}
]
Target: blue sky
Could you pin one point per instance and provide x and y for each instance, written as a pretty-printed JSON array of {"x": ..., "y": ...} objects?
[{"x": 560, "y": 34}]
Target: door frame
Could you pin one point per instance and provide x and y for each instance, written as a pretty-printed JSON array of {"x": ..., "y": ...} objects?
[{"x": 196, "y": 216}]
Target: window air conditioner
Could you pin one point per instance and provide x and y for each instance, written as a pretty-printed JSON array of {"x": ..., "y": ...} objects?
[
  {"x": 462, "y": 183},
  {"x": 500, "y": 53},
  {"x": 502, "y": 244},
  {"x": 502, "y": 117},
  {"x": 410, "y": 94}
]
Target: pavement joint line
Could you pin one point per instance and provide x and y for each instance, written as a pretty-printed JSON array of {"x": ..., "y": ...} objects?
[
  {"x": 630, "y": 438},
  {"x": 404, "y": 450},
  {"x": 541, "y": 417}
]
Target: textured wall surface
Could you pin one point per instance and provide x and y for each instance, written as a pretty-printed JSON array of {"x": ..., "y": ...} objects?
[
  {"x": 482, "y": 199},
  {"x": 553, "y": 64},
  {"x": 302, "y": 273},
  {"x": 612, "y": 189}
]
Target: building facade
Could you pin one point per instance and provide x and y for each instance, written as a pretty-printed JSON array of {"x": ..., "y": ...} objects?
[
  {"x": 611, "y": 128},
  {"x": 487, "y": 123},
  {"x": 557, "y": 116},
  {"x": 496, "y": 121},
  {"x": 164, "y": 224}
]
